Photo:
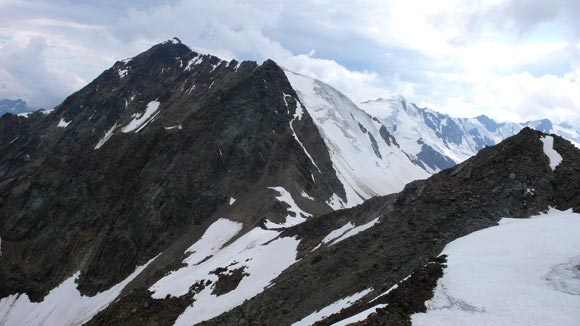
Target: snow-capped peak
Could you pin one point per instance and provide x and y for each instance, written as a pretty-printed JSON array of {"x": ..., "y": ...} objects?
[
  {"x": 365, "y": 159},
  {"x": 439, "y": 141}
]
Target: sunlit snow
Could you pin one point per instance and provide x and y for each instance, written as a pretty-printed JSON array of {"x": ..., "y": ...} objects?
[
  {"x": 62, "y": 123},
  {"x": 63, "y": 306},
  {"x": 348, "y": 230},
  {"x": 198, "y": 59},
  {"x": 261, "y": 253},
  {"x": 106, "y": 137},
  {"x": 305, "y": 195},
  {"x": 174, "y": 127},
  {"x": 360, "y": 316},
  {"x": 298, "y": 215},
  {"x": 141, "y": 120},
  {"x": 347, "y": 132},
  {"x": 332, "y": 309},
  {"x": 553, "y": 156},
  {"x": 177, "y": 283},
  {"x": 25, "y": 114},
  {"x": 521, "y": 272},
  {"x": 122, "y": 72}
]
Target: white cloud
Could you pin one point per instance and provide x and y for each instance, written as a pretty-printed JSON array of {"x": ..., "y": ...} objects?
[
  {"x": 458, "y": 56},
  {"x": 519, "y": 97},
  {"x": 24, "y": 71}
]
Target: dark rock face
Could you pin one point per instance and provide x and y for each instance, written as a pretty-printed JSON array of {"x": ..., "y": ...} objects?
[
  {"x": 443, "y": 127},
  {"x": 228, "y": 280},
  {"x": 434, "y": 159},
  {"x": 488, "y": 123},
  {"x": 221, "y": 130},
  {"x": 415, "y": 226},
  {"x": 139, "y": 303}
]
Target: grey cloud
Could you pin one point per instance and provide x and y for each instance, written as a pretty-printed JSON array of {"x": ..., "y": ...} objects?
[{"x": 24, "y": 68}]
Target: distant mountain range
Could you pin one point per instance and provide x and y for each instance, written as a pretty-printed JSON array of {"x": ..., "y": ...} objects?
[
  {"x": 438, "y": 141},
  {"x": 14, "y": 106}
]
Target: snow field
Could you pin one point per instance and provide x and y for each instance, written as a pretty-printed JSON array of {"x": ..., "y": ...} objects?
[{"x": 521, "y": 272}]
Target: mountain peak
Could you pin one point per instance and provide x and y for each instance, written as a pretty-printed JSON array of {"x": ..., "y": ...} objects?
[
  {"x": 269, "y": 63},
  {"x": 398, "y": 98},
  {"x": 174, "y": 40},
  {"x": 487, "y": 122},
  {"x": 173, "y": 43},
  {"x": 544, "y": 125}
]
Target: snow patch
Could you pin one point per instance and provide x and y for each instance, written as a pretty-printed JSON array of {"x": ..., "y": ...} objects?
[
  {"x": 122, "y": 72},
  {"x": 25, "y": 114},
  {"x": 554, "y": 157},
  {"x": 141, "y": 120},
  {"x": 106, "y": 137},
  {"x": 174, "y": 127},
  {"x": 524, "y": 270},
  {"x": 191, "y": 89},
  {"x": 298, "y": 215},
  {"x": 331, "y": 309},
  {"x": 177, "y": 282},
  {"x": 307, "y": 196},
  {"x": 63, "y": 306},
  {"x": 215, "y": 66},
  {"x": 63, "y": 124},
  {"x": 232, "y": 200},
  {"x": 261, "y": 253},
  {"x": 360, "y": 316},
  {"x": 198, "y": 59},
  {"x": 346, "y": 231},
  {"x": 335, "y": 202},
  {"x": 302, "y": 145},
  {"x": 335, "y": 234}
]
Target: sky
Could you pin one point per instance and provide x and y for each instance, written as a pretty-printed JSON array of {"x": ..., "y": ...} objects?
[{"x": 513, "y": 60}]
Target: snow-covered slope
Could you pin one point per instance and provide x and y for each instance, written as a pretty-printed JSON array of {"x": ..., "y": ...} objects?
[
  {"x": 439, "y": 141},
  {"x": 521, "y": 272},
  {"x": 257, "y": 258},
  {"x": 64, "y": 305},
  {"x": 366, "y": 157}
]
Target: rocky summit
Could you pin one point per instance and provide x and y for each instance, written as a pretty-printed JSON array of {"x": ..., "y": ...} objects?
[{"x": 181, "y": 189}]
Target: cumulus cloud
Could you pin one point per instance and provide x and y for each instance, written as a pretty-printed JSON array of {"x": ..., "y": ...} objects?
[
  {"x": 511, "y": 59},
  {"x": 24, "y": 71}
]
